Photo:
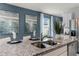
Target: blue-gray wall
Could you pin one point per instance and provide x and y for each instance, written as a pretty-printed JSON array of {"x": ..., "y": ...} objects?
[{"x": 22, "y": 12}]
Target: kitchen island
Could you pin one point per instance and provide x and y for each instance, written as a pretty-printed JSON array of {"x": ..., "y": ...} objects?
[{"x": 66, "y": 47}]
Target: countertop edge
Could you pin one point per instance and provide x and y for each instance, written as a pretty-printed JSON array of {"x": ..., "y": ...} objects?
[{"x": 52, "y": 49}]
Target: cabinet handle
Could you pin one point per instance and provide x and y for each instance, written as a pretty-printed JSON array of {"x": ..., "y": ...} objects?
[{"x": 72, "y": 44}]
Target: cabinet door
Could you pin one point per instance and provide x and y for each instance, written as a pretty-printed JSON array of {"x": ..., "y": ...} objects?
[
  {"x": 64, "y": 53},
  {"x": 72, "y": 49},
  {"x": 58, "y": 52}
]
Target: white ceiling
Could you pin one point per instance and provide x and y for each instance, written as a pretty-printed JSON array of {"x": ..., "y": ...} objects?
[{"x": 50, "y": 8}]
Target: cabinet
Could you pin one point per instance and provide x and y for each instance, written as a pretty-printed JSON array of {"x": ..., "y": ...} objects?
[
  {"x": 58, "y": 52},
  {"x": 72, "y": 49},
  {"x": 68, "y": 50},
  {"x": 64, "y": 53}
]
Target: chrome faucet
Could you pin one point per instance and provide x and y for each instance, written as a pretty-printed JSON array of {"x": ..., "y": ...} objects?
[{"x": 42, "y": 37}]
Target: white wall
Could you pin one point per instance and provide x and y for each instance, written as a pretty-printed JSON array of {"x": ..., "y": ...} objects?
[
  {"x": 66, "y": 18},
  {"x": 70, "y": 15}
]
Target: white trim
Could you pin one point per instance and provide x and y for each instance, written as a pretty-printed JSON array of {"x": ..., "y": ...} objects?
[
  {"x": 9, "y": 17},
  {"x": 41, "y": 23}
]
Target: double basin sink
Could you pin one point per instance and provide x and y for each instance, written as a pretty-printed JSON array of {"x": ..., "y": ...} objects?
[{"x": 44, "y": 44}]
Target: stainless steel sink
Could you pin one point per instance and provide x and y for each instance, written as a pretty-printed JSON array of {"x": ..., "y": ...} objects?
[
  {"x": 39, "y": 44},
  {"x": 50, "y": 42},
  {"x": 44, "y": 44}
]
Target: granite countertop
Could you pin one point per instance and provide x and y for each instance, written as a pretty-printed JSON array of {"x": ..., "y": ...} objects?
[
  {"x": 52, "y": 48},
  {"x": 37, "y": 51},
  {"x": 26, "y": 48}
]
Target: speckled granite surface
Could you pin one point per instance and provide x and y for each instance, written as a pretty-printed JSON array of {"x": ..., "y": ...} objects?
[{"x": 23, "y": 49}]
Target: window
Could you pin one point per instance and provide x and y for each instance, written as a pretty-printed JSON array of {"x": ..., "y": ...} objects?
[
  {"x": 30, "y": 24},
  {"x": 46, "y": 29},
  {"x": 9, "y": 22}
]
